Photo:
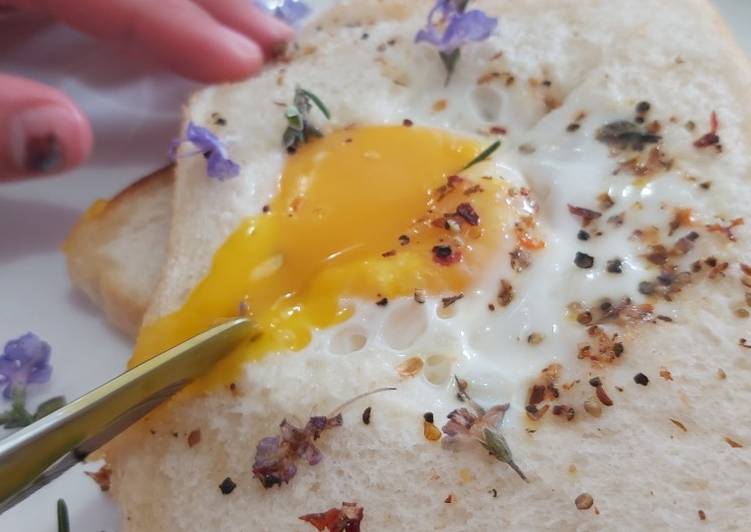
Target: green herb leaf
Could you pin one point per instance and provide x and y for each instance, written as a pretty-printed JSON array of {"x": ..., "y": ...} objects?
[
  {"x": 63, "y": 522},
  {"x": 318, "y": 103},
  {"x": 487, "y": 152},
  {"x": 291, "y": 138},
  {"x": 295, "y": 118},
  {"x": 49, "y": 406},
  {"x": 17, "y": 416},
  {"x": 299, "y": 129},
  {"x": 496, "y": 445}
]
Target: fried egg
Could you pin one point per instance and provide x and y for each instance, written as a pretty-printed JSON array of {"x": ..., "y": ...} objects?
[{"x": 384, "y": 254}]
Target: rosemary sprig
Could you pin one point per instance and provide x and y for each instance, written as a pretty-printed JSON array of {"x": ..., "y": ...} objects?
[
  {"x": 63, "y": 522},
  {"x": 299, "y": 129},
  {"x": 484, "y": 154}
]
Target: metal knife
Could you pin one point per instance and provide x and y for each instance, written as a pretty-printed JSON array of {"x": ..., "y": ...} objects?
[{"x": 42, "y": 451}]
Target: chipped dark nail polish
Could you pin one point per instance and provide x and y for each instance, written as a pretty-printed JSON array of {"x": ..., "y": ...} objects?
[{"x": 43, "y": 153}]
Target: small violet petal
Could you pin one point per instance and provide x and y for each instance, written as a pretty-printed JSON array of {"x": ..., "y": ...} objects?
[
  {"x": 218, "y": 164},
  {"x": 24, "y": 360},
  {"x": 221, "y": 168},
  {"x": 448, "y": 28},
  {"x": 293, "y": 12}
]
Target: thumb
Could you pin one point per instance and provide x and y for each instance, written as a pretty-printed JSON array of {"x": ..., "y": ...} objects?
[{"x": 41, "y": 130}]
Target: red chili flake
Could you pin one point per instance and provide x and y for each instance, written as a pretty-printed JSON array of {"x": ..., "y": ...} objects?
[
  {"x": 448, "y": 301},
  {"x": 266, "y": 209},
  {"x": 679, "y": 424},
  {"x": 382, "y": 302},
  {"x": 389, "y": 253},
  {"x": 734, "y": 444},
  {"x": 445, "y": 255},
  {"x": 658, "y": 255},
  {"x": 536, "y": 394},
  {"x": 454, "y": 180},
  {"x": 564, "y": 411},
  {"x": 101, "y": 477},
  {"x": 194, "y": 438},
  {"x": 474, "y": 189},
  {"x": 743, "y": 343},
  {"x": 534, "y": 413},
  {"x": 665, "y": 374},
  {"x": 344, "y": 519},
  {"x": 587, "y": 215},
  {"x": 681, "y": 218},
  {"x": 442, "y": 191},
  {"x": 603, "y": 396},
  {"x": 407, "y": 122},
  {"x": 449, "y": 499},
  {"x": 711, "y": 138},
  {"x": 685, "y": 244},
  {"x": 366, "y": 415},
  {"x": 505, "y": 293},
  {"x": 717, "y": 268},
  {"x": 726, "y": 230},
  {"x": 702, "y": 515},
  {"x": 468, "y": 213},
  {"x": 605, "y": 201},
  {"x": 498, "y": 130}
]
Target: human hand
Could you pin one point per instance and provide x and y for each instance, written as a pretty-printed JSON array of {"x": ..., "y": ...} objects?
[{"x": 41, "y": 129}]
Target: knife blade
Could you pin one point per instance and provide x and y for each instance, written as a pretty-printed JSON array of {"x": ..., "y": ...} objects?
[{"x": 42, "y": 451}]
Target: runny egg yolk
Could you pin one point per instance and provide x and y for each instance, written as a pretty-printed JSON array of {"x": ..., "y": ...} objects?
[{"x": 372, "y": 213}]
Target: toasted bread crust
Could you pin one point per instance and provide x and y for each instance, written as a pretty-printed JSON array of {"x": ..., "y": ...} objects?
[{"x": 116, "y": 249}]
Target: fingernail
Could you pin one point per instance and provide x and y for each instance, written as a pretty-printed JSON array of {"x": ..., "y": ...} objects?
[
  {"x": 36, "y": 146},
  {"x": 242, "y": 44}
]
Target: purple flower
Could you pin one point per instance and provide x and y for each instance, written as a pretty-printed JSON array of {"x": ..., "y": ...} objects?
[
  {"x": 450, "y": 26},
  {"x": 25, "y": 360},
  {"x": 218, "y": 164},
  {"x": 290, "y": 11}
]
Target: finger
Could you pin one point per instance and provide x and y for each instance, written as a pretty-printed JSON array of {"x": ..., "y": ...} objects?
[
  {"x": 243, "y": 16},
  {"x": 179, "y": 33},
  {"x": 41, "y": 130}
]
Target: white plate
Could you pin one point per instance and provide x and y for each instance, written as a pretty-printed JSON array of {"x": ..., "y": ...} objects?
[{"x": 135, "y": 112}]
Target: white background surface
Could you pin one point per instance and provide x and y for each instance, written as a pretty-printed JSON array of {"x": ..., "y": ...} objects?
[{"x": 135, "y": 111}]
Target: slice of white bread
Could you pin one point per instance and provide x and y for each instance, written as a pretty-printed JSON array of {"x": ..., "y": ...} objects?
[
  {"x": 116, "y": 250},
  {"x": 651, "y": 462}
]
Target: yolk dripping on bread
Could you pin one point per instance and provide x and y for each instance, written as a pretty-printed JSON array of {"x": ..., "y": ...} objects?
[{"x": 333, "y": 231}]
